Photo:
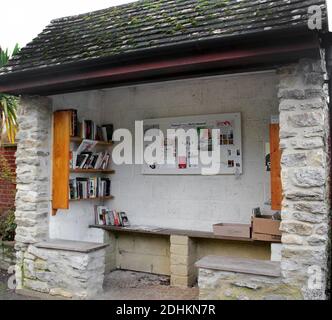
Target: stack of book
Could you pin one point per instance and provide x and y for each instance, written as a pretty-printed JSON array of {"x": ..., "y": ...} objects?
[
  {"x": 90, "y": 130},
  {"x": 107, "y": 217},
  {"x": 90, "y": 160},
  {"x": 89, "y": 188}
]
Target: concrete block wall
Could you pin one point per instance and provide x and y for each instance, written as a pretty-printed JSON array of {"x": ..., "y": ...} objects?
[{"x": 143, "y": 253}]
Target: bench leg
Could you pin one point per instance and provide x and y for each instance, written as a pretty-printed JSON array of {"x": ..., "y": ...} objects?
[{"x": 183, "y": 256}]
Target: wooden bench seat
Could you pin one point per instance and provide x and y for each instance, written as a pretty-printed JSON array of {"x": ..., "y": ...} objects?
[{"x": 168, "y": 232}]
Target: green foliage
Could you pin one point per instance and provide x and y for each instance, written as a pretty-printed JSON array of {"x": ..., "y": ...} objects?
[
  {"x": 8, "y": 103},
  {"x": 8, "y": 111},
  {"x": 8, "y": 226},
  {"x": 5, "y": 55}
]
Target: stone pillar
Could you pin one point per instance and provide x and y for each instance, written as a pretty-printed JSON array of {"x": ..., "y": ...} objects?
[
  {"x": 33, "y": 197},
  {"x": 304, "y": 135},
  {"x": 183, "y": 256}
]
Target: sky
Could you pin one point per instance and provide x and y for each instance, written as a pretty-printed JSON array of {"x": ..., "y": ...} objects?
[{"x": 23, "y": 20}]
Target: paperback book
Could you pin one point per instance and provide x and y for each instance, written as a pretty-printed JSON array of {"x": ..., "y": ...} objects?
[
  {"x": 107, "y": 217},
  {"x": 89, "y": 188}
]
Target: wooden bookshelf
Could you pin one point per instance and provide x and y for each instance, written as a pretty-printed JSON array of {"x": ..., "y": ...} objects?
[
  {"x": 101, "y": 143},
  {"x": 276, "y": 186},
  {"x": 93, "y": 199},
  {"x": 61, "y": 149},
  {"x": 62, "y": 128},
  {"x": 92, "y": 171}
]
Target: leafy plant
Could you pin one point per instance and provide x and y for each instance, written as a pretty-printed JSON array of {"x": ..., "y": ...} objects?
[
  {"x": 8, "y": 227},
  {"x": 8, "y": 103},
  {"x": 5, "y": 55}
]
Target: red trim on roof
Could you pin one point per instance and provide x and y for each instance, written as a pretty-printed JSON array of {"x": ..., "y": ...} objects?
[{"x": 133, "y": 71}]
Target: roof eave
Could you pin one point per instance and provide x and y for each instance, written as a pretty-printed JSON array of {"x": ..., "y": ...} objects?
[{"x": 18, "y": 82}]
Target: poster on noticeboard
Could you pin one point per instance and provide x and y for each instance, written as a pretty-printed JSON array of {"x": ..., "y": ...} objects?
[{"x": 229, "y": 142}]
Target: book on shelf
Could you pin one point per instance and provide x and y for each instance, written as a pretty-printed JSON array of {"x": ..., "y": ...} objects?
[
  {"x": 124, "y": 219},
  {"x": 91, "y": 131},
  {"x": 117, "y": 221},
  {"x": 107, "y": 132},
  {"x": 85, "y": 158},
  {"x": 73, "y": 122},
  {"x": 89, "y": 188},
  {"x": 107, "y": 217}
]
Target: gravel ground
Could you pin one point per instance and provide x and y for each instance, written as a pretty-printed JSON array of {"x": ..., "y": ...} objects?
[
  {"x": 122, "y": 285},
  {"x": 129, "y": 285}
]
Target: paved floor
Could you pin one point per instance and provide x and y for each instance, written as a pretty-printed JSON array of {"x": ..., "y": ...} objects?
[{"x": 123, "y": 285}]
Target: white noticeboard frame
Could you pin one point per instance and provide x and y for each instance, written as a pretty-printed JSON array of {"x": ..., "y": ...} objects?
[{"x": 230, "y": 143}]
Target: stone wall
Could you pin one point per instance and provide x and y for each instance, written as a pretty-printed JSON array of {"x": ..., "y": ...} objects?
[
  {"x": 33, "y": 178},
  {"x": 223, "y": 285},
  {"x": 33, "y": 161},
  {"x": 67, "y": 274},
  {"x": 304, "y": 134}
]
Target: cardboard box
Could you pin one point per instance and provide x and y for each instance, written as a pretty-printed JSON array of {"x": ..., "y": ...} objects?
[
  {"x": 266, "y": 229},
  {"x": 266, "y": 237},
  {"x": 232, "y": 230}
]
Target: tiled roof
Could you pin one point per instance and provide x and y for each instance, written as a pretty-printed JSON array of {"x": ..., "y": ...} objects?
[{"x": 150, "y": 24}]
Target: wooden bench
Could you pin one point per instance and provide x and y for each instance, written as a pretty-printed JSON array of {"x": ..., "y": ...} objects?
[
  {"x": 168, "y": 232},
  {"x": 171, "y": 251}
]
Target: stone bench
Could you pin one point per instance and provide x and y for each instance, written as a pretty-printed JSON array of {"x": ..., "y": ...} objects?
[
  {"x": 230, "y": 278},
  {"x": 62, "y": 268}
]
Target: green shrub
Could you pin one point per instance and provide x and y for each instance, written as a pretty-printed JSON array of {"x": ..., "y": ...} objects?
[{"x": 8, "y": 226}]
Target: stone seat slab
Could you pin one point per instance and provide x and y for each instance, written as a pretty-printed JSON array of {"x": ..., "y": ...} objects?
[
  {"x": 73, "y": 246},
  {"x": 240, "y": 265}
]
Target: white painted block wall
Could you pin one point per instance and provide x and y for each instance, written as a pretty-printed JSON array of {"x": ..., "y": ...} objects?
[{"x": 188, "y": 202}]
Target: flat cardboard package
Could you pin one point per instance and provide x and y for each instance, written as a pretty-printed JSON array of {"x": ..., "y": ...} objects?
[
  {"x": 266, "y": 229},
  {"x": 232, "y": 230}
]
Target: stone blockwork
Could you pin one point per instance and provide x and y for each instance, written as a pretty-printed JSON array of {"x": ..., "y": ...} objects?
[
  {"x": 227, "y": 278},
  {"x": 183, "y": 256},
  {"x": 304, "y": 134},
  {"x": 33, "y": 170},
  {"x": 68, "y": 274},
  {"x": 223, "y": 285}
]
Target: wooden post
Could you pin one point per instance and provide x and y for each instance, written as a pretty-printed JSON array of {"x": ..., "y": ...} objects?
[
  {"x": 61, "y": 151},
  {"x": 276, "y": 186}
]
